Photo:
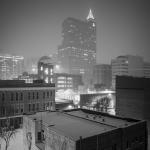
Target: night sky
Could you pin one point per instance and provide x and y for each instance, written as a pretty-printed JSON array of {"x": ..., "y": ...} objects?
[{"x": 32, "y": 28}]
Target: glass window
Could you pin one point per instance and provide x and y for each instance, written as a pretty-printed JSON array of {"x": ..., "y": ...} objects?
[
  {"x": 43, "y": 94},
  {"x": 33, "y": 95},
  {"x": 47, "y": 94},
  {"x": 37, "y": 95},
  {"x": 21, "y": 97},
  {"x": 29, "y": 107},
  {"x": 33, "y": 107},
  {"x": 29, "y": 95},
  {"x": 3, "y": 96},
  {"x": 12, "y": 96},
  {"x": 16, "y": 96}
]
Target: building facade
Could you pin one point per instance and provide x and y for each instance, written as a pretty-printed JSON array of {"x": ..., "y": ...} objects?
[
  {"x": 18, "y": 97},
  {"x": 102, "y": 75},
  {"x": 28, "y": 78},
  {"x": 77, "y": 53},
  {"x": 46, "y": 69},
  {"x": 64, "y": 81},
  {"x": 132, "y": 97},
  {"x": 11, "y": 66},
  {"x": 81, "y": 129},
  {"x": 127, "y": 65}
]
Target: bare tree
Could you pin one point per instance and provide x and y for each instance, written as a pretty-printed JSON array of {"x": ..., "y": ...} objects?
[
  {"x": 7, "y": 133},
  {"x": 29, "y": 140},
  {"x": 102, "y": 104}
]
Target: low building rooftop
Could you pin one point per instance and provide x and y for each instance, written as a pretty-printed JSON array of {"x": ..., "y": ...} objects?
[
  {"x": 22, "y": 84},
  {"x": 80, "y": 123}
]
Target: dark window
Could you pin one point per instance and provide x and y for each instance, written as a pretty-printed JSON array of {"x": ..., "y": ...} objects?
[
  {"x": 16, "y": 96},
  {"x": 29, "y": 107},
  {"x": 21, "y": 108},
  {"x": 37, "y": 106},
  {"x": 33, "y": 107},
  {"x": 114, "y": 147},
  {"x": 12, "y": 96},
  {"x": 47, "y": 94},
  {"x": 17, "y": 109},
  {"x": 29, "y": 95},
  {"x": 37, "y": 95},
  {"x": 51, "y": 93},
  {"x": 21, "y": 97},
  {"x": 39, "y": 136},
  {"x": 43, "y": 106},
  {"x": 43, "y": 94},
  {"x": 33, "y": 95},
  {"x": 3, "y": 96},
  {"x": 3, "y": 110}
]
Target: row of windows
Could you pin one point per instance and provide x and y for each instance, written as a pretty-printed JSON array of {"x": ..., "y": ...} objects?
[
  {"x": 12, "y": 110},
  {"x": 31, "y": 95},
  {"x": 37, "y": 106},
  {"x": 16, "y": 109}
]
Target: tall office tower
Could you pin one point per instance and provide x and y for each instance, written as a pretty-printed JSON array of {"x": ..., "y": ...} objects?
[
  {"x": 46, "y": 69},
  {"x": 11, "y": 66},
  {"x": 102, "y": 75},
  {"x": 77, "y": 53},
  {"x": 127, "y": 65}
]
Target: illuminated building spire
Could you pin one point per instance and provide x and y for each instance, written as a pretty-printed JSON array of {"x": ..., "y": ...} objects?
[{"x": 90, "y": 15}]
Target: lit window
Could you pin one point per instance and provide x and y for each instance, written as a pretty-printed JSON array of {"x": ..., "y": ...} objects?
[
  {"x": 46, "y": 71},
  {"x": 46, "y": 80},
  {"x": 41, "y": 68},
  {"x": 93, "y": 24},
  {"x": 51, "y": 71}
]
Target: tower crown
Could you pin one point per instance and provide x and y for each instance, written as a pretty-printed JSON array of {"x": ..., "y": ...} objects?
[{"x": 90, "y": 15}]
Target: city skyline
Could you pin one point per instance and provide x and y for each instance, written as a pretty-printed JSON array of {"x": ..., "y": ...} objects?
[{"x": 33, "y": 29}]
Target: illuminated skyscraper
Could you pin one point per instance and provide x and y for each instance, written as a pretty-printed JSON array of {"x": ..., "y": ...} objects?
[
  {"x": 11, "y": 66},
  {"x": 77, "y": 53}
]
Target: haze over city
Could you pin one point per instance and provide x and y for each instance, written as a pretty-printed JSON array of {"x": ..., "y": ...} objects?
[{"x": 33, "y": 28}]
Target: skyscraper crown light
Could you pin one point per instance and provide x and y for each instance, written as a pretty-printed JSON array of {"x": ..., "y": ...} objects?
[{"x": 90, "y": 15}]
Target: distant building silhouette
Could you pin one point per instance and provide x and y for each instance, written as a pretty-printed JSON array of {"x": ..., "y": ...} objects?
[
  {"x": 102, "y": 75},
  {"x": 133, "y": 97},
  {"x": 28, "y": 78},
  {"x": 129, "y": 65},
  {"x": 77, "y": 53},
  {"x": 46, "y": 69},
  {"x": 11, "y": 66}
]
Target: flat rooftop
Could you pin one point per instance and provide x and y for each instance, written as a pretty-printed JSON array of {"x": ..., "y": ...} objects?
[
  {"x": 22, "y": 84},
  {"x": 78, "y": 123},
  {"x": 113, "y": 121}
]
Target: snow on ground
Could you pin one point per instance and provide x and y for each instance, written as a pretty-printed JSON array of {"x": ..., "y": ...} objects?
[{"x": 16, "y": 143}]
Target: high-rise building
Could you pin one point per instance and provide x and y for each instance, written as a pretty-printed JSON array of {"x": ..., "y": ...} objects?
[
  {"x": 127, "y": 65},
  {"x": 102, "y": 75},
  {"x": 11, "y": 66},
  {"x": 45, "y": 69},
  {"x": 77, "y": 53}
]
